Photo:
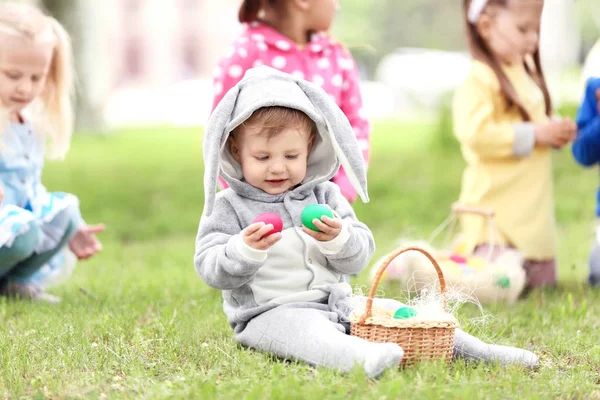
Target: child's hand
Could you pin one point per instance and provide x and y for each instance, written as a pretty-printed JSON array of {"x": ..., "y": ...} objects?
[
  {"x": 330, "y": 229},
  {"x": 254, "y": 236},
  {"x": 556, "y": 133},
  {"x": 598, "y": 100},
  {"x": 85, "y": 243},
  {"x": 1, "y": 194}
]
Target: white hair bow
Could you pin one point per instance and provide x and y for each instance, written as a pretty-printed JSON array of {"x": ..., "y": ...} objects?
[{"x": 475, "y": 10}]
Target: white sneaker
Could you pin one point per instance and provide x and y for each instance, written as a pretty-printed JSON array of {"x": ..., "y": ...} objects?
[{"x": 31, "y": 292}]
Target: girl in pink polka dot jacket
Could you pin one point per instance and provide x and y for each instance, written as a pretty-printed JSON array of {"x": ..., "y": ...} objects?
[{"x": 290, "y": 35}]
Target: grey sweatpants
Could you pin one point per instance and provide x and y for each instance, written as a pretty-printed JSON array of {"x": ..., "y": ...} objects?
[
  {"x": 320, "y": 337},
  {"x": 594, "y": 275}
]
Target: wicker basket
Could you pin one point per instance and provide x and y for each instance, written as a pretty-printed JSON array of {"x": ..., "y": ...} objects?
[
  {"x": 495, "y": 275},
  {"x": 420, "y": 340}
]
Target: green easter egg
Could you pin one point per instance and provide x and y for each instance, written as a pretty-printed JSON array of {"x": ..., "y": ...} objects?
[
  {"x": 503, "y": 281},
  {"x": 314, "y": 211},
  {"x": 405, "y": 312}
]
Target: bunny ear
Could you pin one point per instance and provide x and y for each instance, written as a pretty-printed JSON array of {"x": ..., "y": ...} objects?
[
  {"x": 342, "y": 136},
  {"x": 215, "y": 136}
]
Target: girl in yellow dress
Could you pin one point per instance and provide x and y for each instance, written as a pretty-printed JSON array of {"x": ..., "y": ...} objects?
[{"x": 502, "y": 121}]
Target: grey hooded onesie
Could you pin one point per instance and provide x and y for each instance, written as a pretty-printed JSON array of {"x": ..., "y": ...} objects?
[{"x": 292, "y": 299}]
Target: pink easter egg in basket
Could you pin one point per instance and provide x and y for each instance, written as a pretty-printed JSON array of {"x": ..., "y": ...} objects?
[
  {"x": 270, "y": 218},
  {"x": 458, "y": 259}
]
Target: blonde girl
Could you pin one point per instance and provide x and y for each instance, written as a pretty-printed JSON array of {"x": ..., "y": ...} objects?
[{"x": 36, "y": 87}]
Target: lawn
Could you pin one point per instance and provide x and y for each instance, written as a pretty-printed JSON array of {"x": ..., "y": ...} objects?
[{"x": 152, "y": 329}]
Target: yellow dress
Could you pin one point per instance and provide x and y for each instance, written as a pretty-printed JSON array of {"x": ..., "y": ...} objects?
[{"x": 518, "y": 189}]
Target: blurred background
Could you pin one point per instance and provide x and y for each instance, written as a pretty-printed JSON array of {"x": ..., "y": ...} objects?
[
  {"x": 148, "y": 62},
  {"x": 145, "y": 90},
  {"x": 137, "y": 322}
]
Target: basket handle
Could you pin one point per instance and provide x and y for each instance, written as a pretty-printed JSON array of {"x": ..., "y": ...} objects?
[
  {"x": 375, "y": 283},
  {"x": 459, "y": 208}
]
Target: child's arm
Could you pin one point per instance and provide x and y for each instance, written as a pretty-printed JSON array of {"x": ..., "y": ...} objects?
[
  {"x": 489, "y": 134},
  {"x": 232, "y": 67},
  {"x": 586, "y": 147},
  {"x": 223, "y": 260},
  {"x": 350, "y": 251},
  {"x": 352, "y": 107},
  {"x": 476, "y": 127}
]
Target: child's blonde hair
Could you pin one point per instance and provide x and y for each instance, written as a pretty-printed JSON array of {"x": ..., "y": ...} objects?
[{"x": 52, "y": 112}]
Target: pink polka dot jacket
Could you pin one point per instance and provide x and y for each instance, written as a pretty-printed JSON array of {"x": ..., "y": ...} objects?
[{"x": 323, "y": 61}]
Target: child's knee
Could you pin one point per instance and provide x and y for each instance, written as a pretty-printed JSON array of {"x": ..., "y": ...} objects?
[
  {"x": 73, "y": 214},
  {"x": 594, "y": 263},
  {"x": 23, "y": 245},
  {"x": 594, "y": 259},
  {"x": 72, "y": 218}
]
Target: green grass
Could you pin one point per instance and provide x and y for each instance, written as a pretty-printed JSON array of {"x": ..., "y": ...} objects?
[{"x": 156, "y": 331}]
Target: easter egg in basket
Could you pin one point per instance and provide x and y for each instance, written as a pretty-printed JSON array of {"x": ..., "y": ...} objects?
[{"x": 405, "y": 313}]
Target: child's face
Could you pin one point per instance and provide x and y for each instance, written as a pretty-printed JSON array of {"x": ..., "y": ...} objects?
[
  {"x": 512, "y": 32},
  {"x": 321, "y": 13},
  {"x": 24, "y": 67},
  {"x": 273, "y": 164}
]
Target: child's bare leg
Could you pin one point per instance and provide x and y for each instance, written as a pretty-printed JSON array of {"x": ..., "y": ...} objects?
[{"x": 540, "y": 273}]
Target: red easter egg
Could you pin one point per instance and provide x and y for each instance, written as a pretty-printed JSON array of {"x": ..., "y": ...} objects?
[{"x": 270, "y": 218}]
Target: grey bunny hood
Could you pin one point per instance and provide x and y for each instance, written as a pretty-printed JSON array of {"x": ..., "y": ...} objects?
[{"x": 335, "y": 145}]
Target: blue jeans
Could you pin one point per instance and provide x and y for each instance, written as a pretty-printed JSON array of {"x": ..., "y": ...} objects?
[{"x": 20, "y": 261}]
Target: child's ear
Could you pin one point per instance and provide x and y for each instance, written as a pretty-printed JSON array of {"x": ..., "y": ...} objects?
[
  {"x": 303, "y": 5},
  {"x": 234, "y": 148},
  {"x": 484, "y": 26}
]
